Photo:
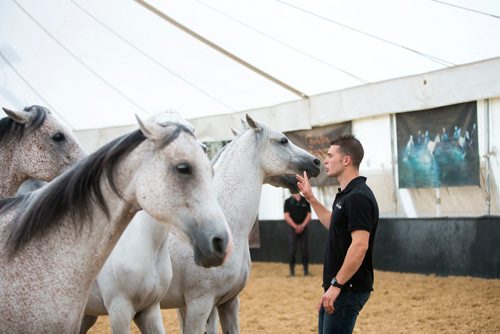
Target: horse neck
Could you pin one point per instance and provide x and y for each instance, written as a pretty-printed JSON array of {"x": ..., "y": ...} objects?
[
  {"x": 10, "y": 175},
  {"x": 100, "y": 232},
  {"x": 144, "y": 231},
  {"x": 238, "y": 180}
]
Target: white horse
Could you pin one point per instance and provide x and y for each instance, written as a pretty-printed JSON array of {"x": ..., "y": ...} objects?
[
  {"x": 462, "y": 141},
  {"x": 140, "y": 263},
  {"x": 34, "y": 144},
  {"x": 431, "y": 145},
  {"x": 136, "y": 275},
  {"x": 259, "y": 154},
  {"x": 54, "y": 241}
]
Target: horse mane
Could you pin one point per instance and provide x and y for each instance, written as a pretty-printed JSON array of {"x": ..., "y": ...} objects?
[
  {"x": 75, "y": 191},
  {"x": 223, "y": 149},
  {"x": 11, "y": 129}
]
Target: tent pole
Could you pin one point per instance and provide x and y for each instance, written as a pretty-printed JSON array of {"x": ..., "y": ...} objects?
[
  {"x": 220, "y": 49},
  {"x": 487, "y": 156},
  {"x": 394, "y": 163}
]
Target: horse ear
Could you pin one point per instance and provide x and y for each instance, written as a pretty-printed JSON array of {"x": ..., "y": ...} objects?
[
  {"x": 244, "y": 124},
  {"x": 21, "y": 117},
  {"x": 235, "y": 133},
  {"x": 253, "y": 124},
  {"x": 149, "y": 129}
]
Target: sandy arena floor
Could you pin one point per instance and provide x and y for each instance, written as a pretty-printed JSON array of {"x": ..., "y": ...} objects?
[{"x": 401, "y": 303}]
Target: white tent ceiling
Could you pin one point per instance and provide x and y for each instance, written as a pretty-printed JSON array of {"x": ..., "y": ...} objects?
[{"x": 97, "y": 63}]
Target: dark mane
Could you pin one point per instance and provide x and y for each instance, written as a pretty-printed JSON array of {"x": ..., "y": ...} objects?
[
  {"x": 73, "y": 192},
  {"x": 76, "y": 190},
  {"x": 10, "y": 129}
]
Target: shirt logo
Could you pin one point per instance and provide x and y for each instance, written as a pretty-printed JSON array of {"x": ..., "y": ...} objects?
[{"x": 338, "y": 206}]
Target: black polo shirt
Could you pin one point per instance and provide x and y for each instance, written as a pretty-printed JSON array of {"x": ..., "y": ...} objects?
[
  {"x": 354, "y": 208},
  {"x": 298, "y": 210}
]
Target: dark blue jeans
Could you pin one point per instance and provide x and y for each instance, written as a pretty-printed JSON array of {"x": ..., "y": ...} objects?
[{"x": 342, "y": 320}]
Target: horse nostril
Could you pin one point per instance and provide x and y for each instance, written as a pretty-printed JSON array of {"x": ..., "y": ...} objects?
[
  {"x": 317, "y": 163},
  {"x": 218, "y": 245}
]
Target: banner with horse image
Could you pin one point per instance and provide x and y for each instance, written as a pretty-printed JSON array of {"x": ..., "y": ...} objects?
[
  {"x": 438, "y": 147},
  {"x": 317, "y": 142}
]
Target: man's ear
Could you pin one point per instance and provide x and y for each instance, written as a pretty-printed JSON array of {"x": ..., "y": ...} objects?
[{"x": 347, "y": 160}]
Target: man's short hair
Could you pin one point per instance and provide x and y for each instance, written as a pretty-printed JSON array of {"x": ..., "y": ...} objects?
[{"x": 349, "y": 145}]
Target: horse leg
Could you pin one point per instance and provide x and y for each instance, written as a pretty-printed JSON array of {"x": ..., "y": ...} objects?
[
  {"x": 150, "y": 320},
  {"x": 197, "y": 313},
  {"x": 229, "y": 316},
  {"x": 87, "y": 323},
  {"x": 212, "y": 322},
  {"x": 120, "y": 313}
]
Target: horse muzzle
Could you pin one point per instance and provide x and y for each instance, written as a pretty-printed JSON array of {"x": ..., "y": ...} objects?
[{"x": 213, "y": 252}]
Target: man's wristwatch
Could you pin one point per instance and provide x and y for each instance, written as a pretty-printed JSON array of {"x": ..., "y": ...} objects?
[{"x": 336, "y": 283}]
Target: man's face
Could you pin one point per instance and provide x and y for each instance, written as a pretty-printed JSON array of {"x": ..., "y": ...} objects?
[{"x": 335, "y": 161}]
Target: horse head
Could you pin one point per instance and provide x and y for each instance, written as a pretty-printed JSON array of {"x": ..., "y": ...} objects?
[
  {"x": 43, "y": 147},
  {"x": 173, "y": 184},
  {"x": 280, "y": 157}
]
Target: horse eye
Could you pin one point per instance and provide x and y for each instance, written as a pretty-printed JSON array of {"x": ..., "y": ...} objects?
[
  {"x": 284, "y": 141},
  {"x": 58, "y": 137},
  {"x": 184, "y": 169}
]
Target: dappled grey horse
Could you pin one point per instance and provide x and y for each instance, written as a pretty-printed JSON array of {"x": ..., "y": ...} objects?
[
  {"x": 259, "y": 154},
  {"x": 136, "y": 275},
  {"x": 54, "y": 241},
  {"x": 34, "y": 144}
]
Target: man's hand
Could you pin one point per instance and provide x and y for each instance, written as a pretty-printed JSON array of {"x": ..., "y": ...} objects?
[
  {"x": 299, "y": 229},
  {"x": 304, "y": 186},
  {"x": 328, "y": 299}
]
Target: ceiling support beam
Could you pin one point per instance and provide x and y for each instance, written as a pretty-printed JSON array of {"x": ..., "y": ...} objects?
[{"x": 221, "y": 50}]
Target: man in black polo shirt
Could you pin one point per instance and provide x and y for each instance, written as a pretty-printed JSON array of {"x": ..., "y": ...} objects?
[
  {"x": 352, "y": 223},
  {"x": 297, "y": 216}
]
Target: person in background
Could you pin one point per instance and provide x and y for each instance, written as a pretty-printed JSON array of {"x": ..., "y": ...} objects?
[
  {"x": 352, "y": 224},
  {"x": 297, "y": 216}
]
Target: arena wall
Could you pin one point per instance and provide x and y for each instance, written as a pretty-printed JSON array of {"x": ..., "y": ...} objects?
[{"x": 467, "y": 246}]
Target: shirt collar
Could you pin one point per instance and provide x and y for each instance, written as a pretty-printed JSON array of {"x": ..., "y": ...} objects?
[{"x": 351, "y": 185}]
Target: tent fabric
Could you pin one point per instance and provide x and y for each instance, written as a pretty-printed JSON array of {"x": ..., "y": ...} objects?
[
  {"x": 97, "y": 63},
  {"x": 471, "y": 82}
]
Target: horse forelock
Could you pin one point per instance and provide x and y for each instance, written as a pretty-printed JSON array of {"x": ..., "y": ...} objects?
[
  {"x": 40, "y": 113},
  {"x": 11, "y": 129},
  {"x": 171, "y": 136},
  {"x": 11, "y": 202},
  {"x": 72, "y": 193}
]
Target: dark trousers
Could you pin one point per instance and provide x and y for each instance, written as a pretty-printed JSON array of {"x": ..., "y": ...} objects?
[
  {"x": 347, "y": 307},
  {"x": 302, "y": 241}
]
